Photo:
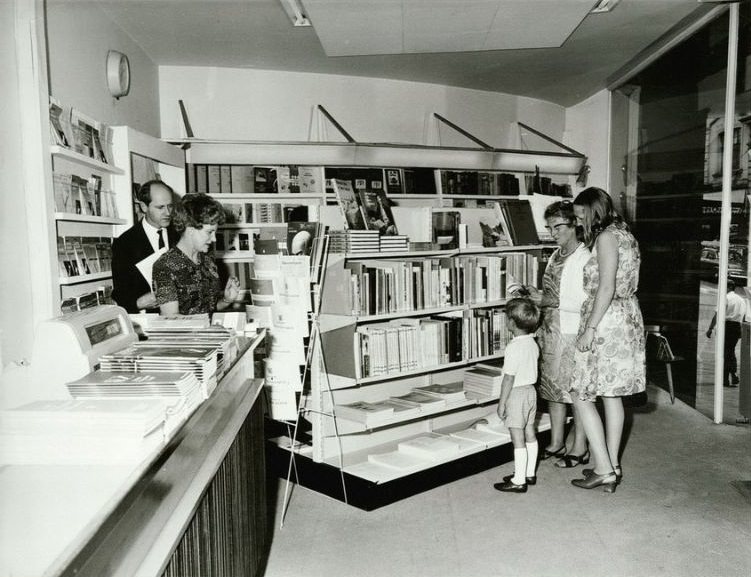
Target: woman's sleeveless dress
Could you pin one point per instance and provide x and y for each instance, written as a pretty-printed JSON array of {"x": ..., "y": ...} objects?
[{"x": 615, "y": 364}]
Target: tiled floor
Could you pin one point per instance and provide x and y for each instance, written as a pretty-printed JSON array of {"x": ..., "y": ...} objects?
[{"x": 677, "y": 513}]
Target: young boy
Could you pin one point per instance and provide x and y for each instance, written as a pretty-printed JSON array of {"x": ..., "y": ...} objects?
[{"x": 518, "y": 403}]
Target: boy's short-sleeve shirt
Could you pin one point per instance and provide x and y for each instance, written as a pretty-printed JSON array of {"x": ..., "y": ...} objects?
[{"x": 520, "y": 360}]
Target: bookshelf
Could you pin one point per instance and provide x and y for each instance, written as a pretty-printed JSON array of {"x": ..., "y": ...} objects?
[{"x": 333, "y": 447}]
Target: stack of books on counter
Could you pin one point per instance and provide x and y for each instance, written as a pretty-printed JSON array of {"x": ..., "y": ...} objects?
[
  {"x": 90, "y": 431},
  {"x": 394, "y": 243},
  {"x": 145, "y": 357},
  {"x": 484, "y": 380},
  {"x": 180, "y": 392},
  {"x": 354, "y": 241},
  {"x": 217, "y": 337}
]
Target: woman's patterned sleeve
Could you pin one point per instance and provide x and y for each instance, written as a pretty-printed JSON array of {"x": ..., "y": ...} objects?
[{"x": 165, "y": 287}]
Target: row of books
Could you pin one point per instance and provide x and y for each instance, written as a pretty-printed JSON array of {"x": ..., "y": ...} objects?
[
  {"x": 80, "y": 255},
  {"x": 408, "y": 344},
  {"x": 412, "y": 404},
  {"x": 264, "y": 212},
  {"x": 74, "y": 130},
  {"x": 479, "y": 183},
  {"x": 249, "y": 179},
  {"x": 76, "y": 195},
  {"x": 484, "y": 380},
  {"x": 388, "y": 286}
]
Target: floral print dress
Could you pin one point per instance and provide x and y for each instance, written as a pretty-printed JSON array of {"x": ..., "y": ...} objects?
[
  {"x": 557, "y": 349},
  {"x": 615, "y": 364}
]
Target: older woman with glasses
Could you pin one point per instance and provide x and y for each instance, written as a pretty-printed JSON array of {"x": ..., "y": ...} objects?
[{"x": 561, "y": 300}]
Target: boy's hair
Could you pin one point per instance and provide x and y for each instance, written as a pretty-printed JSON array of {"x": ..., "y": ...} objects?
[{"x": 524, "y": 313}]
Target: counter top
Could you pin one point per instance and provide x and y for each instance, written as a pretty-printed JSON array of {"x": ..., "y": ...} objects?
[{"x": 121, "y": 519}]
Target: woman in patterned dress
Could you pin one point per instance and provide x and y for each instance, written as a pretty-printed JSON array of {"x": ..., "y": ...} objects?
[
  {"x": 561, "y": 300},
  {"x": 609, "y": 361},
  {"x": 185, "y": 277}
]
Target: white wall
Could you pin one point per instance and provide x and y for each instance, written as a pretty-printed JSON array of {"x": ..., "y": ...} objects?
[
  {"x": 588, "y": 131},
  {"x": 15, "y": 276},
  {"x": 244, "y": 104},
  {"x": 78, "y": 38}
]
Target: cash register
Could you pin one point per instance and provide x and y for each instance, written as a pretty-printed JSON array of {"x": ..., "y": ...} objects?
[{"x": 68, "y": 347}]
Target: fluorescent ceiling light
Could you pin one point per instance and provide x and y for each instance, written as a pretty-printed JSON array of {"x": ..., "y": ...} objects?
[
  {"x": 604, "y": 6},
  {"x": 294, "y": 10}
]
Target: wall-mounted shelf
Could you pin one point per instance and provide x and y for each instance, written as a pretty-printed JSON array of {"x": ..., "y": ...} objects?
[
  {"x": 83, "y": 278},
  {"x": 88, "y": 218},
  {"x": 62, "y": 152}
]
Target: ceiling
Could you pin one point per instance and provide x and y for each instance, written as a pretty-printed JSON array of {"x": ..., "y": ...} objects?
[{"x": 553, "y": 50}]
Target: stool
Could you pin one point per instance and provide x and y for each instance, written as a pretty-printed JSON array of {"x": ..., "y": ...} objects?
[{"x": 658, "y": 349}]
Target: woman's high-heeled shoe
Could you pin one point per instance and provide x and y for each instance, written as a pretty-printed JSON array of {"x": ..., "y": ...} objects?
[
  {"x": 608, "y": 482},
  {"x": 546, "y": 454},
  {"x": 616, "y": 469},
  {"x": 571, "y": 461}
]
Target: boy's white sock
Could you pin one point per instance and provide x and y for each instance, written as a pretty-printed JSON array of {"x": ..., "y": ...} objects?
[
  {"x": 531, "y": 458},
  {"x": 520, "y": 466}
]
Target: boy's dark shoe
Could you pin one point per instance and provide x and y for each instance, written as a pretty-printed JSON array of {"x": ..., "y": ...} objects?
[
  {"x": 510, "y": 487},
  {"x": 530, "y": 480}
]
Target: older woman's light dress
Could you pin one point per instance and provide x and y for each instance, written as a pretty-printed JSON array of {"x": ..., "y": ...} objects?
[{"x": 557, "y": 336}]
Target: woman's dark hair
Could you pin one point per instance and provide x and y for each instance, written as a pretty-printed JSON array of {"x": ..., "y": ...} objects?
[
  {"x": 599, "y": 212},
  {"x": 195, "y": 210}
]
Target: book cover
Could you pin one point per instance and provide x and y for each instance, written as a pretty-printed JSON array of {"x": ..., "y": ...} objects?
[
  {"x": 241, "y": 177},
  {"x": 376, "y": 209},
  {"x": 393, "y": 179},
  {"x": 349, "y": 204},
  {"x": 300, "y": 237},
  {"x": 446, "y": 229},
  {"x": 520, "y": 220}
]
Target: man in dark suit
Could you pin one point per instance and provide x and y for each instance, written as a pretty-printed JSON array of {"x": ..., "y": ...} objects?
[{"x": 130, "y": 290}]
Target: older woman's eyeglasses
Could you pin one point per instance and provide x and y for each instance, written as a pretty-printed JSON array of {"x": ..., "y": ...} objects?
[{"x": 557, "y": 227}]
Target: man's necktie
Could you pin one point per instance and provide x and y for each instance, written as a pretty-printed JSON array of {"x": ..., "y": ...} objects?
[{"x": 161, "y": 238}]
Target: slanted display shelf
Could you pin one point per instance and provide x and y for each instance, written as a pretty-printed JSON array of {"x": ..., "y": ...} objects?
[{"x": 67, "y": 153}]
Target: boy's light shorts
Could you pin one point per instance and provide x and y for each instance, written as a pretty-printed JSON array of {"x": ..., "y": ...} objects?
[{"x": 521, "y": 407}]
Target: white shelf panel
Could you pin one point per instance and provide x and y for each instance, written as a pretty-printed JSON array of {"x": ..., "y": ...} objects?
[
  {"x": 359, "y": 427},
  {"x": 422, "y": 370},
  {"x": 83, "y": 278},
  {"x": 266, "y": 198},
  {"x": 408, "y": 313},
  {"x": 381, "y": 474},
  {"x": 62, "y": 152},
  {"x": 445, "y": 253},
  {"x": 236, "y": 256},
  {"x": 67, "y": 216},
  {"x": 241, "y": 225}
]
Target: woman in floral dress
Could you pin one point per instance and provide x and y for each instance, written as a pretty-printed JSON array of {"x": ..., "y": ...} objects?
[{"x": 609, "y": 362}]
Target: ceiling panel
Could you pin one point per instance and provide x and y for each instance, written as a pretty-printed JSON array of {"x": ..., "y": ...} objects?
[{"x": 258, "y": 34}]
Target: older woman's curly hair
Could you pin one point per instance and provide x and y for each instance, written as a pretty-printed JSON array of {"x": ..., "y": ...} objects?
[{"x": 195, "y": 210}]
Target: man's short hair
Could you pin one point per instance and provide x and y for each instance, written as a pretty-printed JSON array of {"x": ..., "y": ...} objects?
[{"x": 144, "y": 191}]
